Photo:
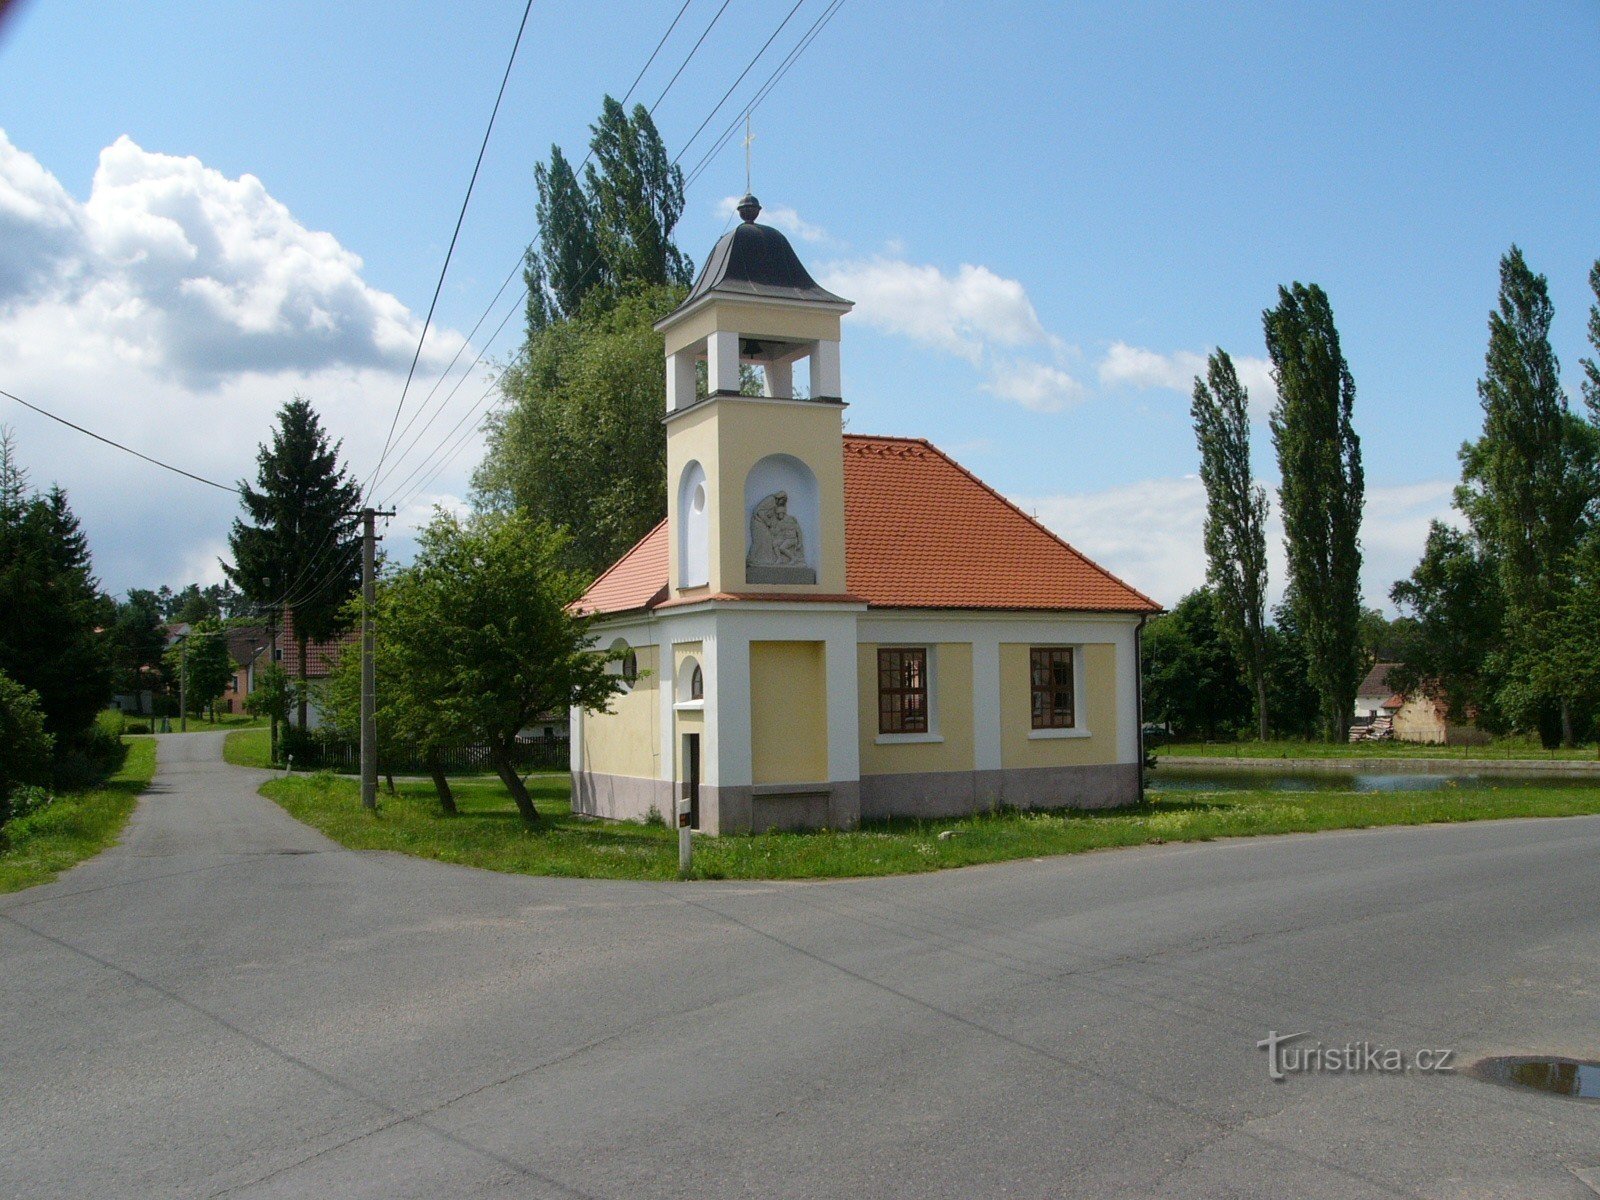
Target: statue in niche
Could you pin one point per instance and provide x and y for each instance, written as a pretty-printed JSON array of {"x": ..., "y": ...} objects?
[{"x": 777, "y": 545}]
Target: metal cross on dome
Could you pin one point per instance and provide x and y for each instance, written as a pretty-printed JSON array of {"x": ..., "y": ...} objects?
[{"x": 748, "y": 139}]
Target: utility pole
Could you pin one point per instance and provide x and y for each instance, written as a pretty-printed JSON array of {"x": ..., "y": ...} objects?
[
  {"x": 369, "y": 671},
  {"x": 183, "y": 684}
]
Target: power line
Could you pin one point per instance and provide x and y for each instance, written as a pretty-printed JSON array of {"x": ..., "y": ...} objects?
[
  {"x": 522, "y": 257},
  {"x": 165, "y": 466},
  {"x": 689, "y": 56},
  {"x": 460, "y": 217},
  {"x": 748, "y": 67},
  {"x": 771, "y": 82}
]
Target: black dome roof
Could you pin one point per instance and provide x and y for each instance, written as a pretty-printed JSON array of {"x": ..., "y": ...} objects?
[{"x": 757, "y": 260}]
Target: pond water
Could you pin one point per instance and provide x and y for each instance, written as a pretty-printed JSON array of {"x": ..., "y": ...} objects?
[{"x": 1169, "y": 778}]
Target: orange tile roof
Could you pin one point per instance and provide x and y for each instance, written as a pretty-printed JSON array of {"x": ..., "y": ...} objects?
[{"x": 921, "y": 531}]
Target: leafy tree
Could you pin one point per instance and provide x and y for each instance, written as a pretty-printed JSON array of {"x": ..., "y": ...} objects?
[
  {"x": 26, "y": 747},
  {"x": 1591, "y": 368},
  {"x": 1454, "y": 598},
  {"x": 411, "y": 678},
  {"x": 614, "y": 231},
  {"x": 138, "y": 643},
  {"x": 201, "y": 663},
  {"x": 1321, "y": 494},
  {"x": 1296, "y": 706},
  {"x": 482, "y": 630},
  {"x": 51, "y": 612},
  {"x": 1529, "y": 483},
  {"x": 579, "y": 443},
  {"x": 301, "y": 546},
  {"x": 1191, "y": 679},
  {"x": 1236, "y": 516},
  {"x": 272, "y": 698}
]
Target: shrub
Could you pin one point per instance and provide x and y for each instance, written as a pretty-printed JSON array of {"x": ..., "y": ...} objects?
[
  {"x": 25, "y": 747},
  {"x": 23, "y": 802}
]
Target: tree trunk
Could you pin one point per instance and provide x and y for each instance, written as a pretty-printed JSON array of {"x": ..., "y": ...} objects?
[
  {"x": 389, "y": 779},
  {"x": 441, "y": 784},
  {"x": 500, "y": 756},
  {"x": 272, "y": 719},
  {"x": 301, "y": 639},
  {"x": 1262, "y": 725},
  {"x": 1567, "y": 739}
]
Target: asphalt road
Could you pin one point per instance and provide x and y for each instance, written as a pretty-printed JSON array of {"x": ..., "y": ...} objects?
[{"x": 229, "y": 1004}]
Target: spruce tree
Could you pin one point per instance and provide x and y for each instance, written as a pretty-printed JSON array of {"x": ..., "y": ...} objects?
[
  {"x": 1236, "y": 515},
  {"x": 52, "y": 615},
  {"x": 1320, "y": 496},
  {"x": 300, "y": 549},
  {"x": 1529, "y": 482}
]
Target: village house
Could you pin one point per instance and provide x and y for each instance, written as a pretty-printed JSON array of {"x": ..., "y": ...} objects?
[
  {"x": 1382, "y": 713},
  {"x": 829, "y": 627}
]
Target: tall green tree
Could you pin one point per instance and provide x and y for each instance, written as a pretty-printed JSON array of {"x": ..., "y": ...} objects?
[
  {"x": 1192, "y": 683},
  {"x": 612, "y": 231},
  {"x": 579, "y": 443},
  {"x": 1529, "y": 483},
  {"x": 52, "y": 615},
  {"x": 1453, "y": 597},
  {"x": 300, "y": 547},
  {"x": 201, "y": 664},
  {"x": 1321, "y": 494},
  {"x": 1236, "y": 517},
  {"x": 1591, "y": 366},
  {"x": 481, "y": 626},
  {"x": 138, "y": 642}
]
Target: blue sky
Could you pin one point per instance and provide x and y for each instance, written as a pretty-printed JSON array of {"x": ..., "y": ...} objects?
[{"x": 1045, "y": 213}]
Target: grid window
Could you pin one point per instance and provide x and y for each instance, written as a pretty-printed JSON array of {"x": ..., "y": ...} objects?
[
  {"x": 1051, "y": 673},
  {"x": 903, "y": 691}
]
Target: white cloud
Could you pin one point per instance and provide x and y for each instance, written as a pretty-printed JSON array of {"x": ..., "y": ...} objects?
[
  {"x": 1035, "y": 385},
  {"x": 1135, "y": 366},
  {"x": 966, "y": 313},
  {"x": 781, "y": 216},
  {"x": 175, "y": 310},
  {"x": 1149, "y": 533}
]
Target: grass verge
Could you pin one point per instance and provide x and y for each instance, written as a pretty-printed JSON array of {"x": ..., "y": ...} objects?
[
  {"x": 248, "y": 747},
  {"x": 1500, "y": 750},
  {"x": 488, "y": 833},
  {"x": 76, "y": 825}
]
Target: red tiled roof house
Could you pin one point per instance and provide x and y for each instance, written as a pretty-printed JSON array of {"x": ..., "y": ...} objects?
[{"x": 829, "y": 627}]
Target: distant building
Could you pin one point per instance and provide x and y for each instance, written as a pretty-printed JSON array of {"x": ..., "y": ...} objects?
[{"x": 1382, "y": 713}]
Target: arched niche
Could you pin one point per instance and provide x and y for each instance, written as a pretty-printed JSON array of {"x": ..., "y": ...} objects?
[
  {"x": 627, "y": 662},
  {"x": 691, "y": 681},
  {"x": 694, "y": 528},
  {"x": 783, "y": 522}
]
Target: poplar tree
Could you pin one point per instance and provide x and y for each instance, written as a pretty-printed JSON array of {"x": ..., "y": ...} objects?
[
  {"x": 1529, "y": 482},
  {"x": 612, "y": 230},
  {"x": 300, "y": 547},
  {"x": 1320, "y": 496},
  {"x": 1236, "y": 515},
  {"x": 1591, "y": 368}
]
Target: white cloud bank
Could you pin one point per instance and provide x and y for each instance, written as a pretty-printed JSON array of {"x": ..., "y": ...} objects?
[
  {"x": 1135, "y": 366},
  {"x": 174, "y": 310},
  {"x": 1149, "y": 533}
]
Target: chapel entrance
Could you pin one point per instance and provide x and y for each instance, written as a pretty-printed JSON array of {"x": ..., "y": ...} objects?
[{"x": 691, "y": 777}]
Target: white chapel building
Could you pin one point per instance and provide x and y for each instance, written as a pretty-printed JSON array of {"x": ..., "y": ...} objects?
[{"x": 830, "y": 627}]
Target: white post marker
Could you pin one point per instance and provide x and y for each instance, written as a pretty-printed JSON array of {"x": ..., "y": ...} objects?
[{"x": 685, "y": 838}]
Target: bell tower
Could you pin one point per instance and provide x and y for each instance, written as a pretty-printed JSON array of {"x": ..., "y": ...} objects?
[{"x": 755, "y": 482}]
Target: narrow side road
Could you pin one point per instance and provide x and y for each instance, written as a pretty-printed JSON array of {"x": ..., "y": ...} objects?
[{"x": 229, "y": 1004}]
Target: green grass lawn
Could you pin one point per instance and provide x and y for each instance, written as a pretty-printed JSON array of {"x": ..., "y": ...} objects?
[
  {"x": 118, "y": 723},
  {"x": 248, "y": 747},
  {"x": 76, "y": 826},
  {"x": 1503, "y": 749},
  {"x": 488, "y": 833}
]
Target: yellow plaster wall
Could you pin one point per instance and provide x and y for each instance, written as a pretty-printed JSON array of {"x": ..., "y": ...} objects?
[
  {"x": 952, "y": 711},
  {"x": 729, "y": 435},
  {"x": 788, "y": 713},
  {"x": 625, "y": 741},
  {"x": 1096, "y": 704}
]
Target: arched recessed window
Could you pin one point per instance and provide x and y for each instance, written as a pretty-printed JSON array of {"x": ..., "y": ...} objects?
[
  {"x": 690, "y": 687},
  {"x": 624, "y": 662},
  {"x": 697, "y": 684},
  {"x": 694, "y": 528},
  {"x": 630, "y": 667}
]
